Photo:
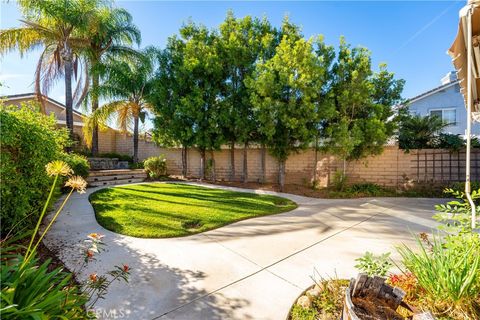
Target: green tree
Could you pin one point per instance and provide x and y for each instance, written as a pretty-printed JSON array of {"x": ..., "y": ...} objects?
[
  {"x": 363, "y": 120},
  {"x": 285, "y": 94},
  {"x": 174, "y": 120},
  {"x": 127, "y": 85},
  {"x": 242, "y": 43},
  {"x": 111, "y": 32},
  {"x": 202, "y": 102},
  {"x": 59, "y": 27}
]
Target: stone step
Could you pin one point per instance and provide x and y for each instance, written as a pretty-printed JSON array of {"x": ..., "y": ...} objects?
[
  {"x": 124, "y": 176},
  {"x": 100, "y": 173},
  {"x": 114, "y": 182}
]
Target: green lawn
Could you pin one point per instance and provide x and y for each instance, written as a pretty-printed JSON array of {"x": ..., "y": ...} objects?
[{"x": 160, "y": 210}]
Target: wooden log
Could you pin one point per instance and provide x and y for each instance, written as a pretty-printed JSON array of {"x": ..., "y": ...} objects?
[
  {"x": 423, "y": 316},
  {"x": 364, "y": 286}
]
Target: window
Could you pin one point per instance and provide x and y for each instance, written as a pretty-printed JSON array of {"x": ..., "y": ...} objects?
[{"x": 447, "y": 115}]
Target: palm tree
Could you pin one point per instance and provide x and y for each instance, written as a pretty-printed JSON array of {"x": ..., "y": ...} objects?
[
  {"x": 112, "y": 32},
  {"x": 417, "y": 132},
  {"x": 127, "y": 85},
  {"x": 59, "y": 27}
]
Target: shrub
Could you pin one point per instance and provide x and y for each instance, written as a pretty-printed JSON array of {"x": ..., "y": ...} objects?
[
  {"x": 374, "y": 265},
  {"x": 156, "y": 167},
  {"x": 138, "y": 165},
  {"x": 30, "y": 290},
  {"x": 449, "y": 275},
  {"x": 78, "y": 163},
  {"x": 339, "y": 180},
  {"x": 29, "y": 141},
  {"x": 33, "y": 292},
  {"x": 120, "y": 157},
  {"x": 450, "y": 141},
  {"x": 448, "y": 268},
  {"x": 368, "y": 189}
]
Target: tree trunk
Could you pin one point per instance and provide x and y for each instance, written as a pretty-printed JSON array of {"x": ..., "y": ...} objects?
[
  {"x": 212, "y": 168},
  {"x": 67, "y": 58},
  {"x": 135, "y": 139},
  {"x": 232, "y": 161},
  {"x": 95, "y": 83},
  {"x": 281, "y": 174},
  {"x": 264, "y": 164},
  {"x": 245, "y": 162},
  {"x": 184, "y": 161},
  {"x": 202, "y": 164},
  {"x": 315, "y": 165}
]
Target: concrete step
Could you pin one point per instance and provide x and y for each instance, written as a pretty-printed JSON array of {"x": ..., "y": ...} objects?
[
  {"x": 139, "y": 175},
  {"x": 115, "y": 182},
  {"x": 114, "y": 177},
  {"x": 99, "y": 173}
]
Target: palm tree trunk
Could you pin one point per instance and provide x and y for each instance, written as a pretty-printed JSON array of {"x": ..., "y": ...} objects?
[
  {"x": 95, "y": 82},
  {"x": 232, "y": 161},
  {"x": 135, "y": 139},
  {"x": 67, "y": 58},
  {"x": 245, "y": 162}
]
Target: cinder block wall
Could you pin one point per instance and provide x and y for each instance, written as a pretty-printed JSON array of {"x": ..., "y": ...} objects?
[{"x": 393, "y": 167}]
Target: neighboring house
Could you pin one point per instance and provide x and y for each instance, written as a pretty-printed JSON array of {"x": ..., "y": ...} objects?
[
  {"x": 109, "y": 140},
  {"x": 445, "y": 101},
  {"x": 51, "y": 106}
]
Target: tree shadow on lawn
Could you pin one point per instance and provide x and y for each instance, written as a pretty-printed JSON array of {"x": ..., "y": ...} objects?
[{"x": 106, "y": 196}]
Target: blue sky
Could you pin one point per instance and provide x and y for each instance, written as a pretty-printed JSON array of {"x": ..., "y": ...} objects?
[{"x": 412, "y": 37}]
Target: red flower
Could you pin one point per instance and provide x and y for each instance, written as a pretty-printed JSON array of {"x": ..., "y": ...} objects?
[
  {"x": 394, "y": 278},
  {"x": 93, "y": 277},
  {"x": 126, "y": 268}
]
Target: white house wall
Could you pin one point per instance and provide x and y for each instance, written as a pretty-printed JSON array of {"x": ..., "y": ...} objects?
[{"x": 448, "y": 98}]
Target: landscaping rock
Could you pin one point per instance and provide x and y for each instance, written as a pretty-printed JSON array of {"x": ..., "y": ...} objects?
[
  {"x": 315, "y": 292},
  {"x": 304, "y": 302}
]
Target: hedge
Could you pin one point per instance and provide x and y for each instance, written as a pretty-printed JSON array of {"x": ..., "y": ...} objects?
[{"x": 29, "y": 140}]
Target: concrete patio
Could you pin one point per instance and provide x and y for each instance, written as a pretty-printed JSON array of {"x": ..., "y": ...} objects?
[{"x": 253, "y": 269}]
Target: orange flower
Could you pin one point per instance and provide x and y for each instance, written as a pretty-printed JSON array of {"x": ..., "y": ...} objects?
[
  {"x": 95, "y": 236},
  {"x": 89, "y": 254},
  {"x": 93, "y": 277},
  {"x": 126, "y": 268}
]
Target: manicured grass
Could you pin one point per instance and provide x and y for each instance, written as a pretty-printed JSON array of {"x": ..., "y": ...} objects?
[{"x": 160, "y": 210}]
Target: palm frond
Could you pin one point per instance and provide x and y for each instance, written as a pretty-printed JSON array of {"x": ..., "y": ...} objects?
[{"x": 21, "y": 39}]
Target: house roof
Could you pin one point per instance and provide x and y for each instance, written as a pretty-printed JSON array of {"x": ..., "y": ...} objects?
[
  {"x": 432, "y": 91},
  {"x": 34, "y": 95}
]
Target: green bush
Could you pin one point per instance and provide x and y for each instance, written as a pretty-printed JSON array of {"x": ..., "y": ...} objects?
[
  {"x": 449, "y": 275},
  {"x": 29, "y": 141},
  {"x": 339, "y": 180},
  {"x": 34, "y": 292},
  {"x": 374, "y": 265},
  {"x": 156, "y": 167},
  {"x": 120, "y": 157},
  {"x": 369, "y": 189},
  {"x": 78, "y": 163},
  {"x": 450, "y": 141},
  {"x": 138, "y": 165},
  {"x": 448, "y": 267}
]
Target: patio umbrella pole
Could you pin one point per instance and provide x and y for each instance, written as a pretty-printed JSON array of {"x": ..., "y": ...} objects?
[{"x": 469, "y": 114}]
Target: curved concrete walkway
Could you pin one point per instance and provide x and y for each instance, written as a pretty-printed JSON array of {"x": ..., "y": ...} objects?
[{"x": 252, "y": 269}]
